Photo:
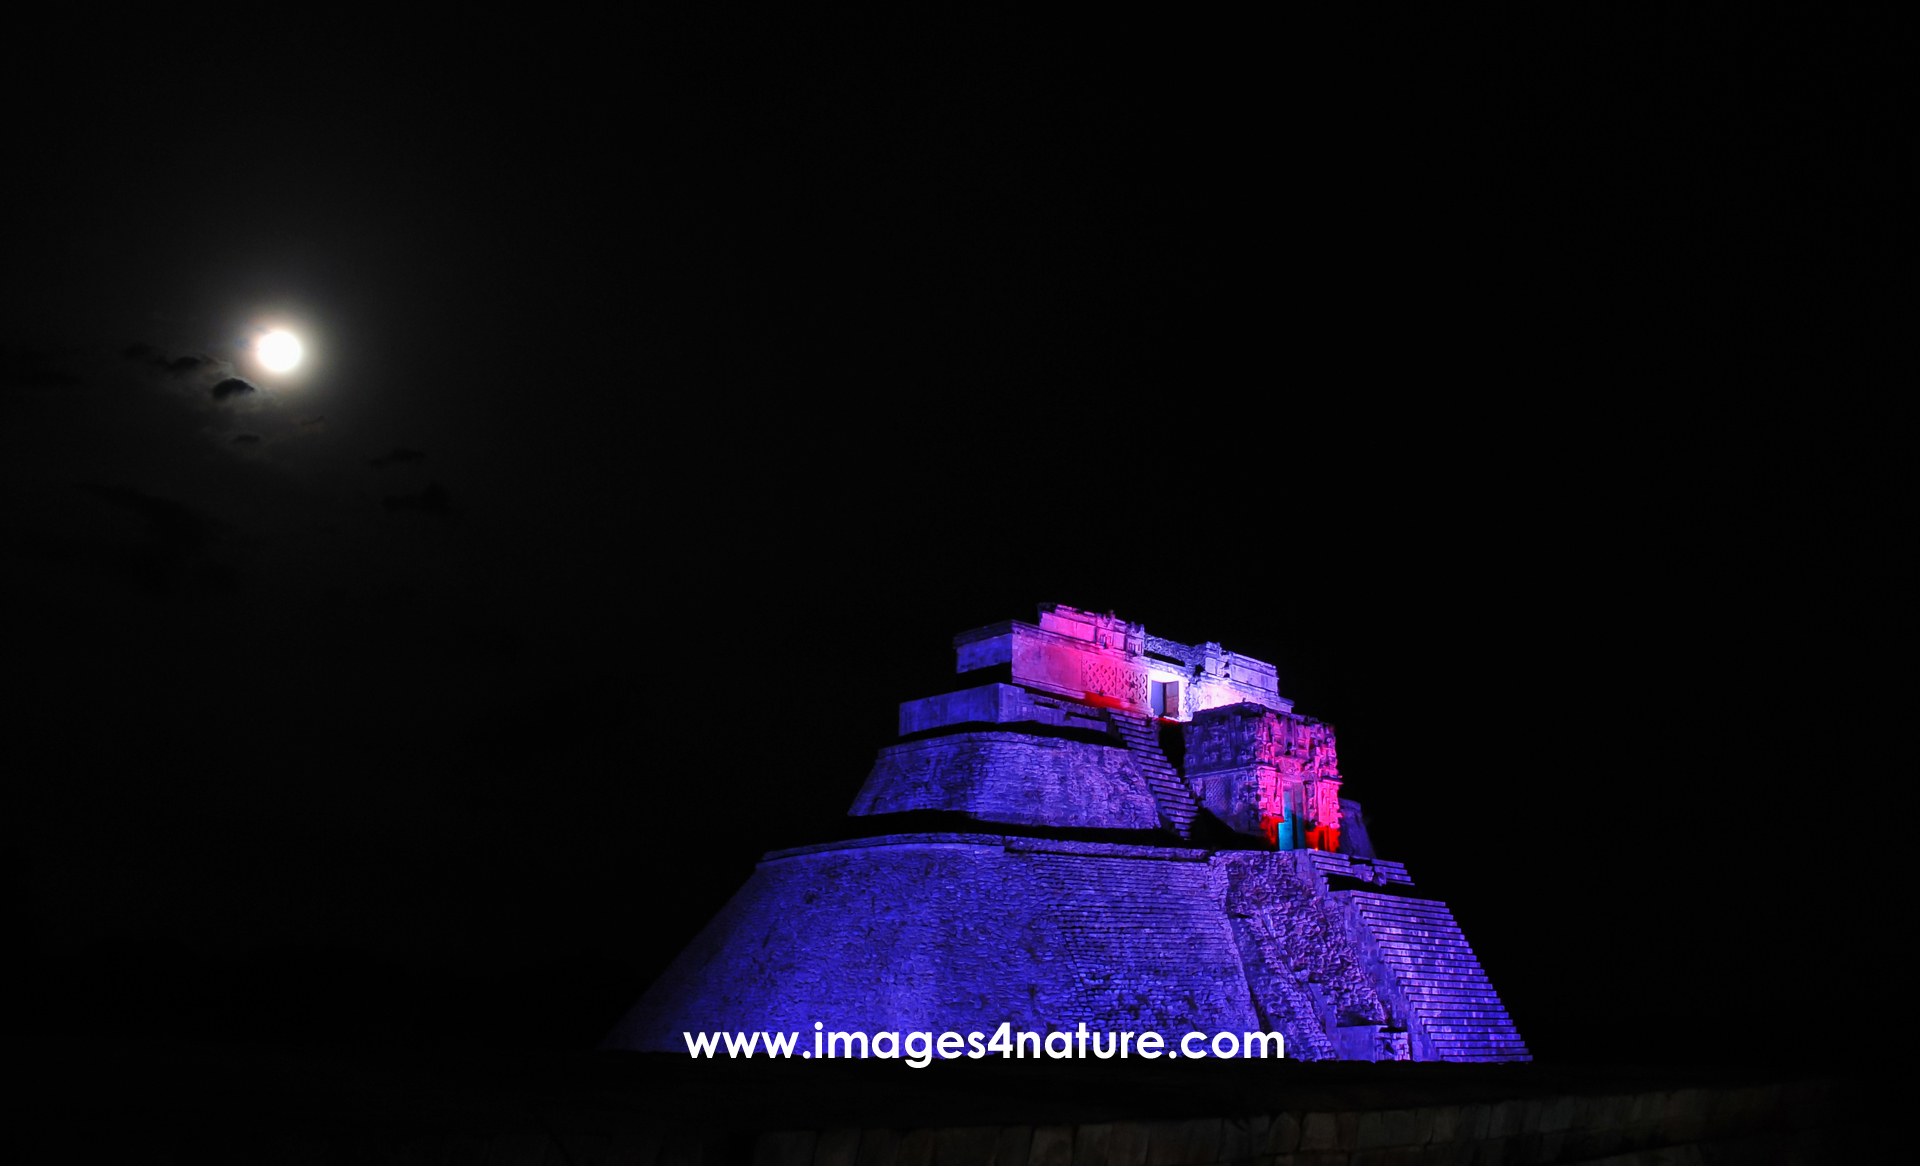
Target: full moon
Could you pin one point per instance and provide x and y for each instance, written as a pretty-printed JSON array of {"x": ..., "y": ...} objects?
[{"x": 279, "y": 351}]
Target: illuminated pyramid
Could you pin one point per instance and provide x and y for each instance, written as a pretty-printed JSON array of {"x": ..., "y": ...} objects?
[{"x": 1103, "y": 828}]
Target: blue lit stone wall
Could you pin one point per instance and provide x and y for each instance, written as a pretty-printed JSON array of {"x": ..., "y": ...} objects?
[
  {"x": 962, "y": 932},
  {"x": 1013, "y": 778},
  {"x": 957, "y": 932}
]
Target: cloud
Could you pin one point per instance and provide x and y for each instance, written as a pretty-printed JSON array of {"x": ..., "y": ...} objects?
[
  {"x": 230, "y": 387},
  {"x": 317, "y": 421},
  {"x": 399, "y": 456},
  {"x": 432, "y": 500},
  {"x": 173, "y": 366},
  {"x": 246, "y": 438}
]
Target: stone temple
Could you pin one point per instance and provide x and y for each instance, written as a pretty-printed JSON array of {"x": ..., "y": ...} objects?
[{"x": 1102, "y": 827}]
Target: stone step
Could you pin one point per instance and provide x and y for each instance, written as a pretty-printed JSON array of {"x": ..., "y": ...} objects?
[
  {"x": 1437, "y": 961},
  {"x": 1401, "y": 923},
  {"x": 1465, "y": 1023},
  {"x": 1510, "y": 1043},
  {"x": 1142, "y": 739},
  {"x": 1403, "y": 945},
  {"x": 1441, "y": 979},
  {"x": 1374, "y": 902},
  {"x": 1419, "y": 914},
  {"x": 1409, "y": 919},
  {"x": 1431, "y": 956},
  {"x": 1444, "y": 999},
  {"x": 1410, "y": 935},
  {"x": 1502, "y": 1038}
]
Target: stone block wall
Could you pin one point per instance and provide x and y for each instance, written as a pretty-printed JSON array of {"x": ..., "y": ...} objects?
[
  {"x": 997, "y": 704},
  {"x": 962, "y": 932},
  {"x": 1012, "y": 778},
  {"x": 1685, "y": 1127},
  {"x": 956, "y": 932}
]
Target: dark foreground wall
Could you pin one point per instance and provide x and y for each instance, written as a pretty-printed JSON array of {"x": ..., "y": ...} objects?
[
  {"x": 209, "y": 1106},
  {"x": 1654, "y": 1128}
]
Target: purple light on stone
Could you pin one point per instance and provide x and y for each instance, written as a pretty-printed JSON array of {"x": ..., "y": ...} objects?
[{"x": 1086, "y": 878}]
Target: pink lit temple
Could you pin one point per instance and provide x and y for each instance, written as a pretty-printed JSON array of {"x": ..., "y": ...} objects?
[{"x": 1102, "y": 827}]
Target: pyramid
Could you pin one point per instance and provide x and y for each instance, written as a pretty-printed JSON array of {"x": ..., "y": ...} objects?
[{"x": 1097, "y": 828}]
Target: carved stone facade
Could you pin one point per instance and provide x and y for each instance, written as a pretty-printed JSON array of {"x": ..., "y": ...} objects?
[
  {"x": 1112, "y": 662},
  {"x": 1275, "y": 774}
]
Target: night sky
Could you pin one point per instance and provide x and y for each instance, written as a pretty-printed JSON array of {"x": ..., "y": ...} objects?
[{"x": 673, "y": 394}]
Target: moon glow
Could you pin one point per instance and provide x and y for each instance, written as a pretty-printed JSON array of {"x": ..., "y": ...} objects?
[{"x": 279, "y": 351}]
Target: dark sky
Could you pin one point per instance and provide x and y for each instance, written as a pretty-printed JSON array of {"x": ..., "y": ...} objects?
[{"x": 674, "y": 393}]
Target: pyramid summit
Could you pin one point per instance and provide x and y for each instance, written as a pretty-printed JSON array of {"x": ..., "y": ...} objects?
[{"x": 1097, "y": 826}]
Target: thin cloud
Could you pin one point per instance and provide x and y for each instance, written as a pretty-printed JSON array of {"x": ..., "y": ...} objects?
[
  {"x": 231, "y": 387},
  {"x": 181, "y": 365},
  {"x": 400, "y": 456}
]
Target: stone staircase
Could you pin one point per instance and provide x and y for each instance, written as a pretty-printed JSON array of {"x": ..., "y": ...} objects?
[
  {"x": 1177, "y": 804},
  {"x": 1452, "y": 1000}
]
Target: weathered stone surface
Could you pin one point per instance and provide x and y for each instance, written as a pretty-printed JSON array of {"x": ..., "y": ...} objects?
[
  {"x": 1015, "y": 778},
  {"x": 878, "y": 1147},
  {"x": 1166, "y": 1143},
  {"x": 997, "y": 704},
  {"x": 1090, "y": 1144},
  {"x": 785, "y": 1148},
  {"x": 1392, "y": 1127},
  {"x": 1241, "y": 1138},
  {"x": 1303, "y": 972},
  {"x": 1203, "y": 1141},
  {"x": 954, "y": 935},
  {"x": 1319, "y": 1132},
  {"x": 1127, "y": 1144},
  {"x": 1052, "y": 1146},
  {"x": 1285, "y": 1133},
  {"x": 916, "y": 1148},
  {"x": 965, "y": 1146},
  {"x": 839, "y": 1147},
  {"x": 1013, "y": 1146},
  {"x": 1748, "y": 1124}
]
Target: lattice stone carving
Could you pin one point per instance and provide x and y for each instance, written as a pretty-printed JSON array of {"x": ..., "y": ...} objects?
[{"x": 1110, "y": 678}]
